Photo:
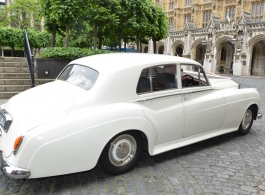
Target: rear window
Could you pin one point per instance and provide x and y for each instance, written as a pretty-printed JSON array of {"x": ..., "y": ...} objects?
[{"x": 80, "y": 76}]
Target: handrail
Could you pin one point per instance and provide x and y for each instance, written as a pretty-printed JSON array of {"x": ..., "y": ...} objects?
[{"x": 29, "y": 57}]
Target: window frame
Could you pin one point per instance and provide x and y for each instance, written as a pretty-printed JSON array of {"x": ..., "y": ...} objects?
[
  {"x": 195, "y": 87},
  {"x": 151, "y": 82},
  {"x": 61, "y": 73},
  {"x": 257, "y": 11}
]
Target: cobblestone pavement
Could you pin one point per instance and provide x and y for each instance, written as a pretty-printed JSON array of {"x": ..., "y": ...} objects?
[{"x": 228, "y": 164}]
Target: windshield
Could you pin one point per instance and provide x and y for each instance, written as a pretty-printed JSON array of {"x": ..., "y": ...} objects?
[{"x": 80, "y": 76}]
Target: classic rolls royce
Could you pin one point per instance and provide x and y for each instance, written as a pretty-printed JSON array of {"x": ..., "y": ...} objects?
[{"x": 104, "y": 110}]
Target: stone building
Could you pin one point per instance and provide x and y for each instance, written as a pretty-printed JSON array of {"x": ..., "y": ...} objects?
[{"x": 220, "y": 34}]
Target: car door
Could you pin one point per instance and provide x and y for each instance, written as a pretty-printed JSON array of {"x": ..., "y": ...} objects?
[
  {"x": 204, "y": 107},
  {"x": 161, "y": 101}
]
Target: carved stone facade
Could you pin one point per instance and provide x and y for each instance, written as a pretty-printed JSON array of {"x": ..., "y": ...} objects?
[{"x": 233, "y": 30}]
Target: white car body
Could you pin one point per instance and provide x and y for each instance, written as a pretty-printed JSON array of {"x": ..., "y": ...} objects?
[{"x": 65, "y": 128}]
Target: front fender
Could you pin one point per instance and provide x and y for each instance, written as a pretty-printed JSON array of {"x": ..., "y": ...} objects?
[{"x": 74, "y": 143}]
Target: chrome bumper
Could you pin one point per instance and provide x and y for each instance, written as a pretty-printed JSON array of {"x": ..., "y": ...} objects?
[
  {"x": 259, "y": 116},
  {"x": 12, "y": 171}
]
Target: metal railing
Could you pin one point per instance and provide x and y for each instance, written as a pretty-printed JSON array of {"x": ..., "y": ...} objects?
[{"x": 29, "y": 57}]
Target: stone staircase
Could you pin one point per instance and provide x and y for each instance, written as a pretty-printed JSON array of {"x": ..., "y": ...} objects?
[{"x": 15, "y": 77}]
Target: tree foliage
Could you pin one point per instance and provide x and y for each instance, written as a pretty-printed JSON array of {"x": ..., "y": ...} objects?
[
  {"x": 106, "y": 21},
  {"x": 20, "y": 12},
  {"x": 14, "y": 38}
]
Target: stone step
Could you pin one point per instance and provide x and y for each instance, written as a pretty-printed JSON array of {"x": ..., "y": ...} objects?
[
  {"x": 14, "y": 64},
  {"x": 42, "y": 81},
  {"x": 14, "y": 70},
  {"x": 14, "y": 88},
  {"x": 7, "y": 95},
  {"x": 14, "y": 76},
  {"x": 23, "y": 81},
  {"x": 12, "y": 59}
]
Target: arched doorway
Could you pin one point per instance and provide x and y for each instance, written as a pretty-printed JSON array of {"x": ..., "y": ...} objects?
[
  {"x": 257, "y": 67},
  {"x": 200, "y": 54},
  {"x": 145, "y": 49},
  {"x": 179, "y": 51},
  {"x": 161, "y": 49},
  {"x": 225, "y": 54}
]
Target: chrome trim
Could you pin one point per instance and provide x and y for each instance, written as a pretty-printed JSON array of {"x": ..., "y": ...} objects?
[
  {"x": 153, "y": 98},
  {"x": 8, "y": 120},
  {"x": 195, "y": 91},
  {"x": 13, "y": 172},
  {"x": 259, "y": 116}
]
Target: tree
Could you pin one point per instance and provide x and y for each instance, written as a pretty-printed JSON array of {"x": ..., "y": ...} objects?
[
  {"x": 158, "y": 25},
  {"x": 13, "y": 38},
  {"x": 49, "y": 18},
  {"x": 101, "y": 14},
  {"x": 20, "y": 13},
  {"x": 62, "y": 14}
]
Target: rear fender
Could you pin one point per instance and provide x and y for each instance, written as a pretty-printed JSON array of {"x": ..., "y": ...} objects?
[{"x": 75, "y": 142}]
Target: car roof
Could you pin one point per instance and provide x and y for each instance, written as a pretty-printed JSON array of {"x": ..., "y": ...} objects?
[{"x": 114, "y": 62}]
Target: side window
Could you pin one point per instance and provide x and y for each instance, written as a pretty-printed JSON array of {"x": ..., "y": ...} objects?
[
  {"x": 163, "y": 77},
  {"x": 193, "y": 76},
  {"x": 144, "y": 82}
]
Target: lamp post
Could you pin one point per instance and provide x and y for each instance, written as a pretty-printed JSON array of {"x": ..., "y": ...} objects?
[{"x": 204, "y": 43}]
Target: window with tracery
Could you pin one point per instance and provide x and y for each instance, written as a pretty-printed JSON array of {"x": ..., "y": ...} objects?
[
  {"x": 171, "y": 4},
  {"x": 207, "y": 16},
  {"x": 257, "y": 12},
  {"x": 187, "y": 17},
  {"x": 171, "y": 20},
  {"x": 188, "y": 2}
]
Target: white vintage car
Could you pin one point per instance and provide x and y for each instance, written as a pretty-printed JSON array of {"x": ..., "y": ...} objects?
[{"x": 106, "y": 109}]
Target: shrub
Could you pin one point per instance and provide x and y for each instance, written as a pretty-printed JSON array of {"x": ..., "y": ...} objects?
[{"x": 69, "y": 53}]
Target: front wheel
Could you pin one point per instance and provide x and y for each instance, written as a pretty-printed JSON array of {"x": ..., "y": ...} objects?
[
  {"x": 246, "y": 122},
  {"x": 121, "y": 153}
]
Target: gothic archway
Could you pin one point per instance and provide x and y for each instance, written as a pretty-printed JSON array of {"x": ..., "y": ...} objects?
[
  {"x": 145, "y": 49},
  {"x": 179, "y": 51},
  {"x": 257, "y": 55},
  {"x": 161, "y": 49},
  {"x": 257, "y": 65},
  {"x": 178, "y": 47},
  {"x": 224, "y": 56},
  {"x": 199, "y": 53},
  {"x": 197, "y": 50}
]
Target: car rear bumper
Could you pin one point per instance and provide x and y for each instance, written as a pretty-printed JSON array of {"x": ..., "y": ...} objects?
[
  {"x": 259, "y": 116},
  {"x": 11, "y": 171}
]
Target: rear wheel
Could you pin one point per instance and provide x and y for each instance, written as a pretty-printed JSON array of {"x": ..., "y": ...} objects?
[
  {"x": 121, "y": 153},
  {"x": 246, "y": 122}
]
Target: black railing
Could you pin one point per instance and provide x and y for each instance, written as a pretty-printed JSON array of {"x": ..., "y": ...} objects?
[{"x": 29, "y": 57}]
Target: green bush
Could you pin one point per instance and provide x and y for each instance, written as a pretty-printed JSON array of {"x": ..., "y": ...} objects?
[{"x": 69, "y": 53}]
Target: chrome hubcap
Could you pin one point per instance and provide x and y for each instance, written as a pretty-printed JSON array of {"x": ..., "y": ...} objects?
[
  {"x": 247, "y": 120},
  {"x": 122, "y": 150}
]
